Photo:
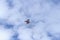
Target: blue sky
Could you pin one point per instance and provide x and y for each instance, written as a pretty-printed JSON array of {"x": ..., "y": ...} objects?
[{"x": 43, "y": 15}]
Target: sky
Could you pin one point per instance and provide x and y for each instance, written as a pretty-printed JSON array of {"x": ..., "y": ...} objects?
[{"x": 43, "y": 17}]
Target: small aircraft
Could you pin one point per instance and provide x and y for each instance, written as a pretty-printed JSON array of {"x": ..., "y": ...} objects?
[{"x": 27, "y": 21}]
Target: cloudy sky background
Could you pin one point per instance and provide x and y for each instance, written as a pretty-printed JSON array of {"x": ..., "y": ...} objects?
[{"x": 43, "y": 15}]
